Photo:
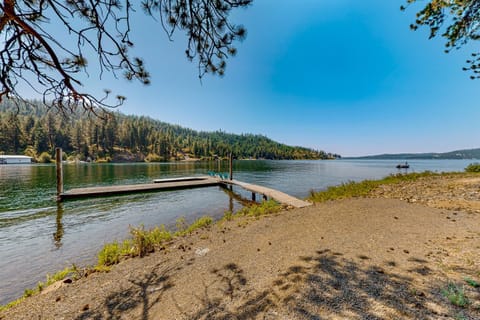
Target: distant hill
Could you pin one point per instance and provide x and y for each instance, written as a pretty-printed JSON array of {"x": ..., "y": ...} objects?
[
  {"x": 457, "y": 154},
  {"x": 35, "y": 131}
]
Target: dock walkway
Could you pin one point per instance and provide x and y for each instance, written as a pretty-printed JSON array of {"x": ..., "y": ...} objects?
[
  {"x": 279, "y": 196},
  {"x": 181, "y": 183}
]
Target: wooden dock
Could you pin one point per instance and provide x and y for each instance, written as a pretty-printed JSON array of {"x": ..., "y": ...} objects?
[
  {"x": 171, "y": 184},
  {"x": 279, "y": 196},
  {"x": 182, "y": 183},
  {"x": 158, "y": 185}
]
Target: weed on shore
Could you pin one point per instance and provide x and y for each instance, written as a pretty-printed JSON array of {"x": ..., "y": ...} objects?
[
  {"x": 72, "y": 272},
  {"x": 363, "y": 188},
  {"x": 456, "y": 295}
]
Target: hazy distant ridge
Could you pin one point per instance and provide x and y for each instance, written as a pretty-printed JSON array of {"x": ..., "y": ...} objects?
[{"x": 457, "y": 154}]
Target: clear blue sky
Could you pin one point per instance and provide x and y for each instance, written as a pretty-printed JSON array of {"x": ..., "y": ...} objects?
[{"x": 344, "y": 76}]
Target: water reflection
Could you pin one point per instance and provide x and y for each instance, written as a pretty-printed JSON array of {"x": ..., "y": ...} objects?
[
  {"x": 238, "y": 196},
  {"x": 57, "y": 236}
]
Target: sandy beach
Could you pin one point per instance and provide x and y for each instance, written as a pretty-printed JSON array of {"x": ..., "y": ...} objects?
[{"x": 393, "y": 255}]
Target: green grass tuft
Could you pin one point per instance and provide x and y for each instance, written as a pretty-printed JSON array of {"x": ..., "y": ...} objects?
[
  {"x": 228, "y": 216},
  {"x": 60, "y": 275},
  {"x": 144, "y": 242},
  {"x": 197, "y": 224},
  {"x": 11, "y": 304},
  {"x": 455, "y": 295},
  {"x": 262, "y": 209},
  {"x": 109, "y": 254},
  {"x": 472, "y": 282}
]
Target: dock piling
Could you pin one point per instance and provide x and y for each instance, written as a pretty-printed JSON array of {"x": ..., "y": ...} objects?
[{"x": 231, "y": 166}]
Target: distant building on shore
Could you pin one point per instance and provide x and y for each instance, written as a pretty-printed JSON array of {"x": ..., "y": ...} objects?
[{"x": 12, "y": 159}]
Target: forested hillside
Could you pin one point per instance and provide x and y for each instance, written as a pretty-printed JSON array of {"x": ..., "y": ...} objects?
[{"x": 35, "y": 131}]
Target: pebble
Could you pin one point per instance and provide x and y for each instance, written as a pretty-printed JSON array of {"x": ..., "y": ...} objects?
[{"x": 201, "y": 252}]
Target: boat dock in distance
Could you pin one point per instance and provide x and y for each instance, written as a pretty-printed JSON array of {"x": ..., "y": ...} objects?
[{"x": 182, "y": 183}]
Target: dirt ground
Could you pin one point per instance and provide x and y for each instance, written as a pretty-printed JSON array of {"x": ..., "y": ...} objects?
[{"x": 366, "y": 258}]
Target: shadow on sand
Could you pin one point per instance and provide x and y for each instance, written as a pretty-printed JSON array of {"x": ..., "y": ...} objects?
[
  {"x": 326, "y": 286},
  {"x": 323, "y": 286},
  {"x": 144, "y": 292}
]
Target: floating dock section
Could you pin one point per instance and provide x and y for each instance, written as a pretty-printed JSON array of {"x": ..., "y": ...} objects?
[{"x": 157, "y": 185}]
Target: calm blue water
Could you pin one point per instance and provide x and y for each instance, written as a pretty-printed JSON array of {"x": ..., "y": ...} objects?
[{"x": 37, "y": 236}]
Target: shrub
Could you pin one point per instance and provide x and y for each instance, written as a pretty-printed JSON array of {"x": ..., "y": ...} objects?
[
  {"x": 473, "y": 167},
  {"x": 152, "y": 157},
  {"x": 145, "y": 242},
  {"x": 30, "y": 151},
  {"x": 109, "y": 255},
  {"x": 142, "y": 243},
  {"x": 44, "y": 158},
  {"x": 104, "y": 160}
]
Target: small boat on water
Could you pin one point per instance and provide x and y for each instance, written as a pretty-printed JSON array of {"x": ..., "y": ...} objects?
[{"x": 403, "y": 165}]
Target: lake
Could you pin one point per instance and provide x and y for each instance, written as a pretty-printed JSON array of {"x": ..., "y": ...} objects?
[{"x": 39, "y": 236}]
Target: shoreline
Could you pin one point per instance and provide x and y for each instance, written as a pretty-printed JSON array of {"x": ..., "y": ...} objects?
[{"x": 322, "y": 223}]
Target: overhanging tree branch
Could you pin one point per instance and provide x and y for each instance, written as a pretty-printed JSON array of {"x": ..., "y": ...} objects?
[
  {"x": 102, "y": 27},
  {"x": 456, "y": 21}
]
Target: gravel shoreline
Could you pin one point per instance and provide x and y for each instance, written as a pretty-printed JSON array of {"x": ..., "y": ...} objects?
[{"x": 367, "y": 258}]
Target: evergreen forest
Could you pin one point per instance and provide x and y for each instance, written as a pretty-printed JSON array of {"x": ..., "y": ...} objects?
[{"x": 35, "y": 130}]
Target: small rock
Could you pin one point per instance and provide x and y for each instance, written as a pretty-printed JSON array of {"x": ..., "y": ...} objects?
[
  {"x": 201, "y": 251},
  {"x": 85, "y": 307}
]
